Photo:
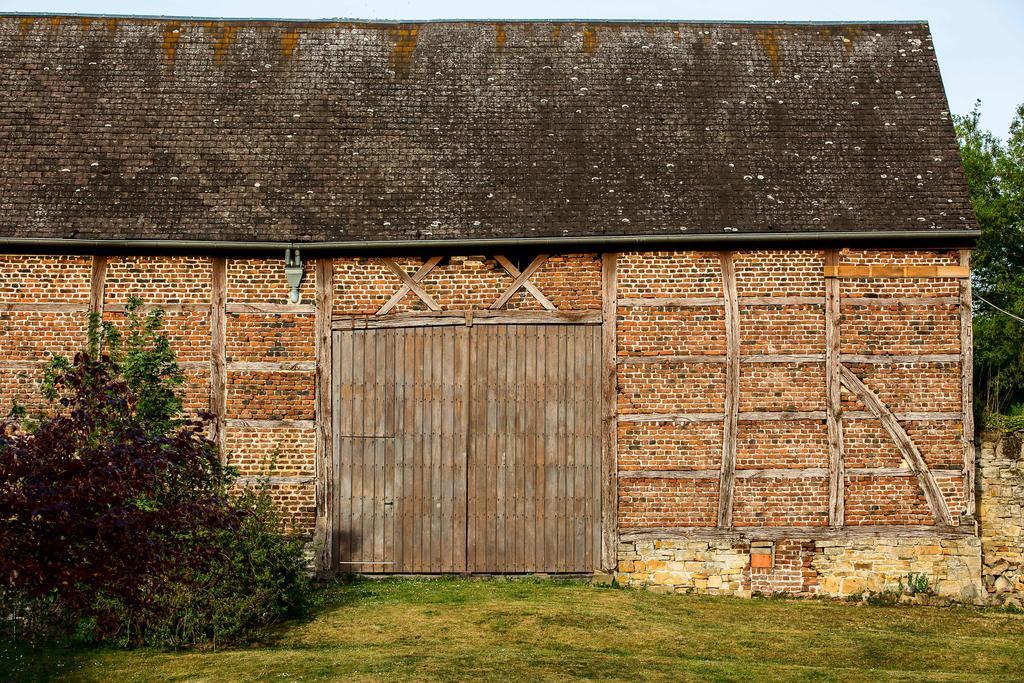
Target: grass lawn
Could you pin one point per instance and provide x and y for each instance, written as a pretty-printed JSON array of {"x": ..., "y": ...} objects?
[{"x": 529, "y": 630}]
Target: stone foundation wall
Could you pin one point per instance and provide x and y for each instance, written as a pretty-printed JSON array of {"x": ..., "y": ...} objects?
[
  {"x": 1000, "y": 510},
  {"x": 827, "y": 567}
]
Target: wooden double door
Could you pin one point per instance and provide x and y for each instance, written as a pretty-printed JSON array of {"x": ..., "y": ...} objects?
[{"x": 468, "y": 448}]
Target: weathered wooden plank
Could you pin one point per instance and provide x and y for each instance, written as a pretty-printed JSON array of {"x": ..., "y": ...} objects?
[
  {"x": 797, "y": 533},
  {"x": 609, "y": 389},
  {"x": 274, "y": 366},
  {"x": 730, "y": 422},
  {"x": 461, "y": 450},
  {"x": 776, "y": 473},
  {"x": 218, "y": 353},
  {"x": 883, "y": 359},
  {"x": 852, "y": 301},
  {"x": 967, "y": 384},
  {"x": 898, "y": 472},
  {"x": 270, "y": 308},
  {"x": 683, "y": 418},
  {"x": 669, "y": 474},
  {"x": 118, "y": 307},
  {"x": 324, "y": 527},
  {"x": 638, "y": 360},
  {"x": 48, "y": 306},
  {"x": 270, "y": 424},
  {"x": 903, "y": 442},
  {"x": 672, "y": 302},
  {"x": 97, "y": 283},
  {"x": 462, "y": 317},
  {"x": 879, "y": 271},
  {"x": 703, "y": 301},
  {"x": 781, "y": 301},
  {"x": 783, "y": 358},
  {"x": 833, "y": 397},
  {"x": 342, "y": 390},
  {"x": 680, "y": 418}
]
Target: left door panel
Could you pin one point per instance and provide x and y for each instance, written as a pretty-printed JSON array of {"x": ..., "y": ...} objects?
[{"x": 400, "y": 439}]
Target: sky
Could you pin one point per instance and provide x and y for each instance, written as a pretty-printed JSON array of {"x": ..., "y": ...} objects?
[{"x": 980, "y": 43}]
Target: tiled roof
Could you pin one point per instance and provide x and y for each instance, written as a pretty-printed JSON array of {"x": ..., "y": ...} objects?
[{"x": 137, "y": 128}]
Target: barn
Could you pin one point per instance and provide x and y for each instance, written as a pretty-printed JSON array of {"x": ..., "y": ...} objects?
[{"x": 684, "y": 303}]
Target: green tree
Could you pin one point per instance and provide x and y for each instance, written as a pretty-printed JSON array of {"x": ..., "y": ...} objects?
[{"x": 995, "y": 178}]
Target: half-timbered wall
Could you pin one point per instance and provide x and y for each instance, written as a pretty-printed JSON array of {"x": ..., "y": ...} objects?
[{"x": 804, "y": 392}]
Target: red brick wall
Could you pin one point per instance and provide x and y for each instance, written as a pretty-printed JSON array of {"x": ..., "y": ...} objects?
[
  {"x": 775, "y": 385},
  {"x": 271, "y": 410}
]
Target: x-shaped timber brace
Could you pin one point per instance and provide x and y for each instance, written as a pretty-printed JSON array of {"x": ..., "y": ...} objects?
[{"x": 411, "y": 283}]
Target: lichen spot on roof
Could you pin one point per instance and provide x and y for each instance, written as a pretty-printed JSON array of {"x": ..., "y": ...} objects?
[
  {"x": 769, "y": 40},
  {"x": 25, "y": 24},
  {"x": 500, "y": 37},
  {"x": 171, "y": 35},
  {"x": 289, "y": 41},
  {"x": 225, "y": 34},
  {"x": 404, "y": 38},
  {"x": 556, "y": 33},
  {"x": 589, "y": 39}
]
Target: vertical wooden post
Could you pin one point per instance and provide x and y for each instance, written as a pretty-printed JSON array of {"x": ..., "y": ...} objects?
[
  {"x": 218, "y": 366},
  {"x": 325, "y": 466},
  {"x": 833, "y": 404},
  {"x": 96, "y": 286},
  {"x": 609, "y": 465},
  {"x": 730, "y": 426},
  {"x": 967, "y": 383}
]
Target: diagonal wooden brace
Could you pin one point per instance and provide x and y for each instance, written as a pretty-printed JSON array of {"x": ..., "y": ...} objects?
[
  {"x": 410, "y": 284},
  {"x": 908, "y": 449},
  {"x": 522, "y": 280}
]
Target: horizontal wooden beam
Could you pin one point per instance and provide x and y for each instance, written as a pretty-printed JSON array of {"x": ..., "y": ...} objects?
[
  {"x": 897, "y": 271},
  {"x": 165, "y": 307},
  {"x": 274, "y": 480},
  {"x": 899, "y": 301},
  {"x": 271, "y": 424},
  {"x": 704, "y": 301},
  {"x": 783, "y": 473},
  {"x": 241, "y": 307},
  {"x": 898, "y": 472},
  {"x": 51, "y": 307},
  {"x": 814, "y": 533},
  {"x": 672, "y": 302},
  {"x": 877, "y": 359},
  {"x": 460, "y": 317},
  {"x": 771, "y": 473},
  {"x": 272, "y": 366},
  {"x": 787, "y": 415}
]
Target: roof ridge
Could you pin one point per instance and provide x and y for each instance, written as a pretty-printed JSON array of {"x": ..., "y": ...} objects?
[{"x": 496, "y": 20}]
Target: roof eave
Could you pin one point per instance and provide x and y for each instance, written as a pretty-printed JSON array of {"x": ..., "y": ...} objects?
[{"x": 599, "y": 242}]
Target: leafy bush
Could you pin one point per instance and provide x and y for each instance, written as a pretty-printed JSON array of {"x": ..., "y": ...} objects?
[{"x": 118, "y": 523}]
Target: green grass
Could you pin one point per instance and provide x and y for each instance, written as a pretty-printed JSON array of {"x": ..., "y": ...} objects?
[{"x": 544, "y": 630}]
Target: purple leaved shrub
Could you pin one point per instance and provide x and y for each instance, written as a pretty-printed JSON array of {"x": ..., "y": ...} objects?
[{"x": 118, "y": 522}]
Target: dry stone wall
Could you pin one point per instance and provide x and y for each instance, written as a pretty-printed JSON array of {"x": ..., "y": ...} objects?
[{"x": 1001, "y": 516}]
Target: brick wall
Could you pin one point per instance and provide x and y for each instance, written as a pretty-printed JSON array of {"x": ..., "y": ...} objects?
[
  {"x": 672, "y": 304},
  {"x": 270, "y": 405}
]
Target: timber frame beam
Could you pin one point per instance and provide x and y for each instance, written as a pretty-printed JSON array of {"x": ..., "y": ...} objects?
[
  {"x": 730, "y": 425},
  {"x": 410, "y": 283},
  {"x": 522, "y": 280},
  {"x": 324, "y": 532},
  {"x": 833, "y": 402},
  {"x": 609, "y": 397},
  {"x": 908, "y": 449}
]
